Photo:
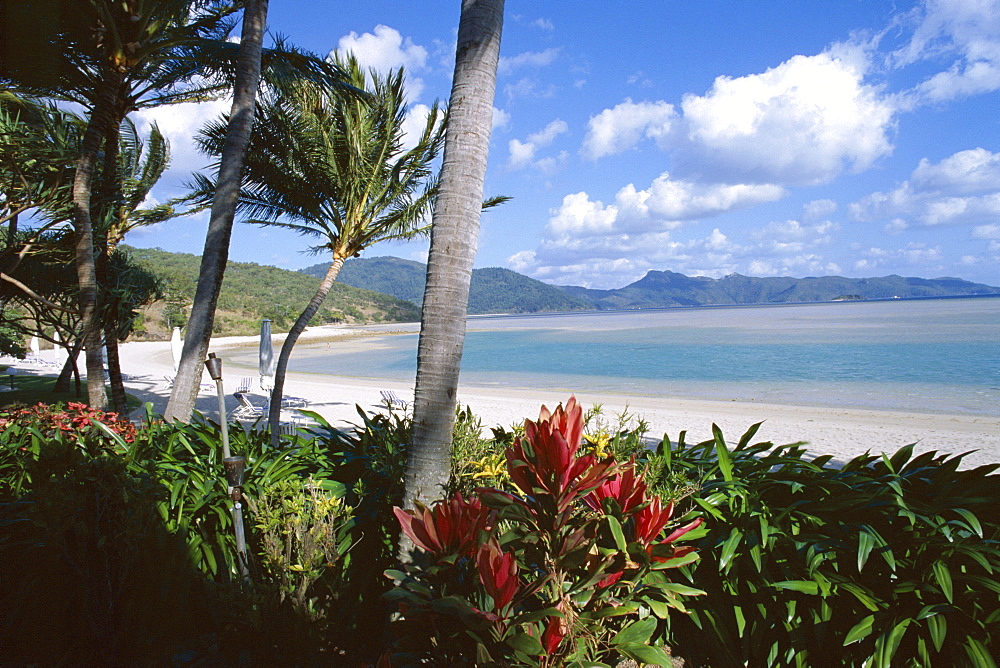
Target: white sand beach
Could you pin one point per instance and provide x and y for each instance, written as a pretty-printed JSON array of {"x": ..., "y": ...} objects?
[{"x": 843, "y": 433}]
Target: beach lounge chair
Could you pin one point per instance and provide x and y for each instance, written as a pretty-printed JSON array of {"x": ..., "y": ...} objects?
[
  {"x": 246, "y": 410},
  {"x": 294, "y": 402},
  {"x": 392, "y": 401},
  {"x": 245, "y": 384}
]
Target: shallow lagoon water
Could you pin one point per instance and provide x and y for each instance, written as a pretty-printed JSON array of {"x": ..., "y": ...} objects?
[{"x": 935, "y": 355}]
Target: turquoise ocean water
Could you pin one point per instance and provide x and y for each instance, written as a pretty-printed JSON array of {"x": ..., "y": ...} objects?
[{"x": 934, "y": 355}]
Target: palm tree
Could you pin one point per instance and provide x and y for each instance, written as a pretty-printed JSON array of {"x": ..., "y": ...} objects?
[
  {"x": 336, "y": 167},
  {"x": 117, "y": 56},
  {"x": 454, "y": 234}
]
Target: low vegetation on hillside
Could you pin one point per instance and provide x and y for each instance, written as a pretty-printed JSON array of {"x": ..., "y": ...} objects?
[{"x": 251, "y": 292}]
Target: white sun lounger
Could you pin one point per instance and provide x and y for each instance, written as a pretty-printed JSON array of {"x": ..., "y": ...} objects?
[{"x": 392, "y": 401}]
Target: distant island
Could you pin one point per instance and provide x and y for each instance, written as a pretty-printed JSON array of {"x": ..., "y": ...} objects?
[{"x": 497, "y": 290}]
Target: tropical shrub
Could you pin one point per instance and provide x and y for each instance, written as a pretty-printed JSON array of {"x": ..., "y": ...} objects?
[
  {"x": 881, "y": 561},
  {"x": 569, "y": 568}
]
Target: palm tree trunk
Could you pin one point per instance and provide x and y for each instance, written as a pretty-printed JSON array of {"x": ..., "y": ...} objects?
[
  {"x": 274, "y": 412},
  {"x": 220, "y": 226},
  {"x": 83, "y": 183},
  {"x": 454, "y": 235},
  {"x": 118, "y": 397},
  {"x": 108, "y": 192}
]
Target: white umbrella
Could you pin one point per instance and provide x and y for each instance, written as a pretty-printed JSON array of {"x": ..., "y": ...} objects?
[
  {"x": 59, "y": 354},
  {"x": 266, "y": 356},
  {"x": 35, "y": 346},
  {"x": 176, "y": 347}
]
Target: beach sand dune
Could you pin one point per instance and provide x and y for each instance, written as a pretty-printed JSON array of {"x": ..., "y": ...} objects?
[{"x": 843, "y": 433}]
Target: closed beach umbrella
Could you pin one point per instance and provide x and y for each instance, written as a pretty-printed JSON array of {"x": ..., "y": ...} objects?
[
  {"x": 35, "y": 346},
  {"x": 59, "y": 354},
  {"x": 176, "y": 347},
  {"x": 266, "y": 357}
]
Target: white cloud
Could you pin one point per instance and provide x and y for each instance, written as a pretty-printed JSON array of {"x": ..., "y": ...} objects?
[
  {"x": 586, "y": 238},
  {"x": 509, "y": 65},
  {"x": 501, "y": 119},
  {"x": 986, "y": 232},
  {"x": 621, "y": 128},
  {"x": 818, "y": 208},
  {"x": 544, "y": 24},
  {"x": 180, "y": 123},
  {"x": 522, "y": 154},
  {"x": 962, "y": 189},
  {"x": 414, "y": 124},
  {"x": 801, "y": 122},
  {"x": 664, "y": 206},
  {"x": 964, "y": 33},
  {"x": 386, "y": 49}
]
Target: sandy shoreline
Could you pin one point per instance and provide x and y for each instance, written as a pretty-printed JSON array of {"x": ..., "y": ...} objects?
[{"x": 839, "y": 431}]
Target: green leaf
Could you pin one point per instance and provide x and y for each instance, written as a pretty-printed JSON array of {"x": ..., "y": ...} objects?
[
  {"x": 971, "y": 520},
  {"x": 616, "y": 531},
  {"x": 645, "y": 654},
  {"x": 937, "y": 626},
  {"x": 943, "y": 577},
  {"x": 638, "y": 631},
  {"x": 729, "y": 548},
  {"x": 860, "y": 630},
  {"x": 526, "y": 644},
  {"x": 978, "y": 654},
  {"x": 802, "y": 586},
  {"x": 725, "y": 459},
  {"x": 865, "y": 544}
]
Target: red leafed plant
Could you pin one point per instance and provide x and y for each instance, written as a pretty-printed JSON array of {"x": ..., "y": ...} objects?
[
  {"x": 560, "y": 572},
  {"x": 73, "y": 422}
]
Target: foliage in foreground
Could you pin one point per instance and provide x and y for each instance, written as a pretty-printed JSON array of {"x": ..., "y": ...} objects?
[
  {"x": 570, "y": 568},
  {"x": 117, "y": 548},
  {"x": 882, "y": 561}
]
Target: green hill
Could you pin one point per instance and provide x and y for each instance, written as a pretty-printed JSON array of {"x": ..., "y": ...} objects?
[
  {"x": 251, "y": 292},
  {"x": 493, "y": 290},
  {"x": 658, "y": 289}
]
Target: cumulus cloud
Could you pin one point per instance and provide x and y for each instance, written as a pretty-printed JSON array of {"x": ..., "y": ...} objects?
[
  {"x": 501, "y": 119},
  {"x": 586, "y": 240},
  {"x": 386, "y": 49},
  {"x": 963, "y": 33},
  {"x": 522, "y": 154},
  {"x": 962, "y": 189},
  {"x": 509, "y": 65},
  {"x": 665, "y": 205},
  {"x": 622, "y": 127},
  {"x": 180, "y": 123},
  {"x": 801, "y": 122}
]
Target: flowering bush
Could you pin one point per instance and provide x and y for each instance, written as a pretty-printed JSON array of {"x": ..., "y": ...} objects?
[
  {"x": 570, "y": 568},
  {"x": 74, "y": 421}
]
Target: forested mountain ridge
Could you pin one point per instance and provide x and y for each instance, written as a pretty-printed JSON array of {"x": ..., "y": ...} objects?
[
  {"x": 658, "y": 289},
  {"x": 251, "y": 292},
  {"x": 505, "y": 291},
  {"x": 493, "y": 290}
]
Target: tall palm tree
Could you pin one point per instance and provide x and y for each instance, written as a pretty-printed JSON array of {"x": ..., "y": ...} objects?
[
  {"x": 454, "y": 235},
  {"x": 117, "y": 56},
  {"x": 337, "y": 168}
]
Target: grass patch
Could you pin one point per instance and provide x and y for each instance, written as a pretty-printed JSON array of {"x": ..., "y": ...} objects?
[{"x": 30, "y": 390}]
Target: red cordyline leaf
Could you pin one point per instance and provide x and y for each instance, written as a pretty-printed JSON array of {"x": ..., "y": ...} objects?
[
  {"x": 448, "y": 527},
  {"x": 498, "y": 573},
  {"x": 626, "y": 488},
  {"x": 555, "y": 631},
  {"x": 546, "y": 459}
]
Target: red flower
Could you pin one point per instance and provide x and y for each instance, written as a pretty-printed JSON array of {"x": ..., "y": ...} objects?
[
  {"x": 498, "y": 573},
  {"x": 449, "y": 527},
  {"x": 627, "y": 489}
]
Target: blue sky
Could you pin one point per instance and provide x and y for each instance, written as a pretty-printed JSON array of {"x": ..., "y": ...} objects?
[{"x": 857, "y": 138}]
